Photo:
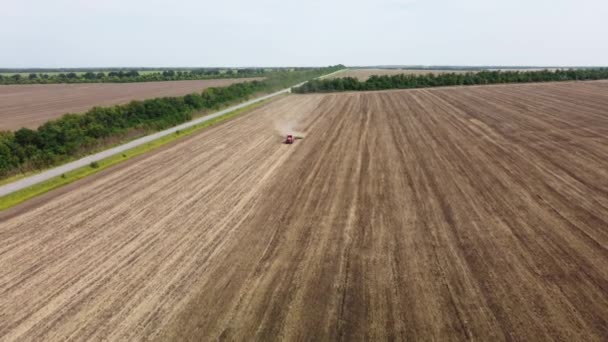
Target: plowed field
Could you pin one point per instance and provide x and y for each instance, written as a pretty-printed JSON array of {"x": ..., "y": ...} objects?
[
  {"x": 441, "y": 214},
  {"x": 32, "y": 105}
]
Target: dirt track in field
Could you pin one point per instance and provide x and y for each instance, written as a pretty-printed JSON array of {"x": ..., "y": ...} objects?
[
  {"x": 448, "y": 214},
  {"x": 32, "y": 105}
]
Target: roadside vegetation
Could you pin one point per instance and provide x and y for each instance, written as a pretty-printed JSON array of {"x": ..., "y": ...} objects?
[
  {"x": 127, "y": 76},
  {"x": 407, "y": 81},
  {"x": 75, "y": 135},
  {"x": 23, "y": 195}
]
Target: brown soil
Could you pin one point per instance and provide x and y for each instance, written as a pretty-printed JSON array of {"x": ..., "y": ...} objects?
[
  {"x": 436, "y": 214},
  {"x": 32, "y": 105}
]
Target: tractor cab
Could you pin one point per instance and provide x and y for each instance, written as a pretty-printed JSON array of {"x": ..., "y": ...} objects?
[{"x": 289, "y": 139}]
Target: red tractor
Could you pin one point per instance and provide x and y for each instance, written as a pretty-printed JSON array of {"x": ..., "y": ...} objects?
[{"x": 289, "y": 139}]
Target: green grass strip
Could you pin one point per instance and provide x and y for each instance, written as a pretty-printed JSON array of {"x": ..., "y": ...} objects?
[{"x": 23, "y": 195}]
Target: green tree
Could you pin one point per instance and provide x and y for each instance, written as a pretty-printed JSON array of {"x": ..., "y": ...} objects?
[
  {"x": 26, "y": 136},
  {"x": 89, "y": 75}
]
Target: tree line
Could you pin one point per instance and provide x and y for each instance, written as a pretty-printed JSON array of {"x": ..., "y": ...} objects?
[
  {"x": 75, "y": 135},
  {"x": 406, "y": 81},
  {"x": 126, "y": 76}
]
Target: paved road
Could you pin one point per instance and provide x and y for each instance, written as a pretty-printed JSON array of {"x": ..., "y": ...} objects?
[{"x": 46, "y": 175}]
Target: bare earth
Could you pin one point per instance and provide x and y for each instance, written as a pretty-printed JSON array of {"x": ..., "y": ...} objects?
[
  {"x": 477, "y": 213},
  {"x": 32, "y": 105}
]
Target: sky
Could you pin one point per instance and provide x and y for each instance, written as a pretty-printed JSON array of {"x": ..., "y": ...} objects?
[{"x": 240, "y": 33}]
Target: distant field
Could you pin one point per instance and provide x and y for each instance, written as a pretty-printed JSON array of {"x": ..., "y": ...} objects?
[
  {"x": 32, "y": 105},
  {"x": 141, "y": 72},
  {"x": 364, "y": 74}
]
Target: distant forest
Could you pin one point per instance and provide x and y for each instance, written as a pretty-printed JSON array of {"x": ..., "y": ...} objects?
[
  {"x": 407, "y": 81},
  {"x": 48, "y": 76},
  {"x": 470, "y": 67}
]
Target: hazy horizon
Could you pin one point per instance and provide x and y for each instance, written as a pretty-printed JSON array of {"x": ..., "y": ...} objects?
[
  {"x": 8, "y": 71},
  {"x": 237, "y": 33},
  {"x": 411, "y": 67}
]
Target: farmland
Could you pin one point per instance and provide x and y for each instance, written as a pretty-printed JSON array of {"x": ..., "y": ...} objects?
[
  {"x": 431, "y": 214},
  {"x": 31, "y": 105}
]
